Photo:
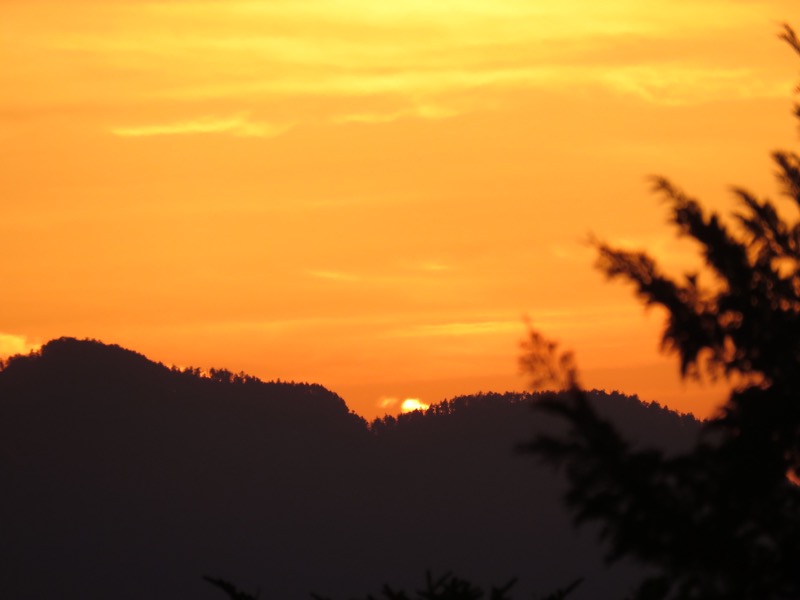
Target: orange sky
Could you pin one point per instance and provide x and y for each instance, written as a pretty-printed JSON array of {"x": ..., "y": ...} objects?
[{"x": 371, "y": 195}]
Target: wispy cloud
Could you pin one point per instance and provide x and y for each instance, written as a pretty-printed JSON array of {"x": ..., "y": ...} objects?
[
  {"x": 460, "y": 329},
  {"x": 422, "y": 53},
  {"x": 387, "y": 402},
  {"x": 334, "y": 275},
  {"x": 676, "y": 84},
  {"x": 434, "y": 267},
  {"x": 238, "y": 125},
  {"x": 680, "y": 85},
  {"x": 422, "y": 111}
]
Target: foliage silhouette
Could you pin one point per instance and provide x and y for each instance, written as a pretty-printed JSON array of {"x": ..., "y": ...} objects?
[
  {"x": 449, "y": 587},
  {"x": 226, "y": 586},
  {"x": 446, "y": 587},
  {"x": 721, "y": 521}
]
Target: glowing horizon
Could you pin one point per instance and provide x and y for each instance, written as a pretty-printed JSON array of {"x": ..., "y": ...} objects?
[{"x": 371, "y": 196}]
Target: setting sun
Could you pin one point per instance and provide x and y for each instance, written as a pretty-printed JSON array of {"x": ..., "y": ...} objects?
[{"x": 412, "y": 404}]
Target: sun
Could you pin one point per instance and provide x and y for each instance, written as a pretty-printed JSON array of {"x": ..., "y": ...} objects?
[{"x": 412, "y": 404}]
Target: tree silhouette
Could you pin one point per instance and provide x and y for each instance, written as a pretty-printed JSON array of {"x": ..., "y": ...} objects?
[
  {"x": 226, "y": 586},
  {"x": 722, "y": 521},
  {"x": 446, "y": 587}
]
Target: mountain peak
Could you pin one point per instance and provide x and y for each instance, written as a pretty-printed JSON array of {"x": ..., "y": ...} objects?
[{"x": 78, "y": 369}]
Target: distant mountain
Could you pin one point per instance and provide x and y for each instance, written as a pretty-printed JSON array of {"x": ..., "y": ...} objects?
[{"x": 125, "y": 479}]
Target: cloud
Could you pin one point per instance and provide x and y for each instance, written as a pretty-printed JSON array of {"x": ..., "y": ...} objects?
[
  {"x": 387, "y": 402},
  {"x": 434, "y": 267},
  {"x": 334, "y": 275},
  {"x": 238, "y": 125},
  {"x": 420, "y": 111},
  {"x": 11, "y": 344},
  {"x": 680, "y": 85},
  {"x": 370, "y": 117},
  {"x": 461, "y": 329},
  {"x": 665, "y": 84},
  {"x": 435, "y": 59}
]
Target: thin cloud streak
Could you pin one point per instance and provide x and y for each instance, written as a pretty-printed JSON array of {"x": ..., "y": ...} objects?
[
  {"x": 334, "y": 275},
  {"x": 427, "y": 111},
  {"x": 460, "y": 329},
  {"x": 667, "y": 85},
  {"x": 237, "y": 125}
]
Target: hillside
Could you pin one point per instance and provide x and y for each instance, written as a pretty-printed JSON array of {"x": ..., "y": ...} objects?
[{"x": 127, "y": 479}]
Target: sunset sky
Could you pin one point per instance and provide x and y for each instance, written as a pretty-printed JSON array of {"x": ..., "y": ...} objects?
[{"x": 372, "y": 195}]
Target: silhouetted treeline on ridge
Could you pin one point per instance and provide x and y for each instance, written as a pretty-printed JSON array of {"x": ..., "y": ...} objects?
[
  {"x": 125, "y": 478},
  {"x": 640, "y": 421}
]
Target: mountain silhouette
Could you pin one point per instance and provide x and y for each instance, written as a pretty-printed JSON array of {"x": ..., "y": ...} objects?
[{"x": 125, "y": 478}]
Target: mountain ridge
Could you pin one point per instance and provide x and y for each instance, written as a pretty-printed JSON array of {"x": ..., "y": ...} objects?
[{"x": 119, "y": 469}]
